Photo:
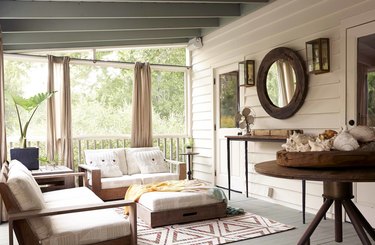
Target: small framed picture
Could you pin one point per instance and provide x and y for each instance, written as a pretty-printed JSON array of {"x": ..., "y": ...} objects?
[{"x": 246, "y": 70}]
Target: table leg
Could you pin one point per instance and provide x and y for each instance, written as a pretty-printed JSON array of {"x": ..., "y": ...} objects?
[
  {"x": 305, "y": 239},
  {"x": 363, "y": 220},
  {"x": 246, "y": 171},
  {"x": 228, "y": 165},
  {"x": 356, "y": 223},
  {"x": 338, "y": 221},
  {"x": 188, "y": 167},
  {"x": 303, "y": 201}
]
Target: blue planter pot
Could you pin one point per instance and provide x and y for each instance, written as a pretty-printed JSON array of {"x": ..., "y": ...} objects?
[{"x": 27, "y": 156}]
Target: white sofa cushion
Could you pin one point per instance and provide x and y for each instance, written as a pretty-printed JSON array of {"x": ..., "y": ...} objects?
[
  {"x": 70, "y": 197},
  {"x": 29, "y": 197},
  {"x": 108, "y": 160},
  {"x": 160, "y": 201},
  {"x": 87, "y": 227},
  {"x": 123, "y": 181},
  {"x": 82, "y": 227},
  {"x": 143, "y": 156},
  {"x": 157, "y": 177}
]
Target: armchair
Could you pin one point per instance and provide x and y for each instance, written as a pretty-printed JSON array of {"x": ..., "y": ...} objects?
[{"x": 69, "y": 216}]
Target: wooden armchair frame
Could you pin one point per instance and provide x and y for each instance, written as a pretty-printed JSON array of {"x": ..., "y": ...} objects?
[
  {"x": 119, "y": 192},
  {"x": 24, "y": 233}
]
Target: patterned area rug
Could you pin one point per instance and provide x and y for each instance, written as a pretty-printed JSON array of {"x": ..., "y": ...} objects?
[{"x": 210, "y": 232}]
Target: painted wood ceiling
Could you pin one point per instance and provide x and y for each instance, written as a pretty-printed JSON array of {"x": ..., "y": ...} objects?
[{"x": 32, "y": 25}]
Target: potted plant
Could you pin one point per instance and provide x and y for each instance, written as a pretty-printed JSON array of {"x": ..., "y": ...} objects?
[
  {"x": 189, "y": 145},
  {"x": 28, "y": 156}
]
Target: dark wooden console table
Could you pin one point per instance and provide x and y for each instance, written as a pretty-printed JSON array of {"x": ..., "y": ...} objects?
[
  {"x": 247, "y": 138},
  {"x": 337, "y": 190}
]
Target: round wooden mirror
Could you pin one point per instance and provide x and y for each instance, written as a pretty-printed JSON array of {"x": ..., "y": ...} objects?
[{"x": 282, "y": 83}]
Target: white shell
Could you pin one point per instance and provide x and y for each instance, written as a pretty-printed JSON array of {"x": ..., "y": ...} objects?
[
  {"x": 320, "y": 145},
  {"x": 363, "y": 133},
  {"x": 297, "y": 143},
  {"x": 345, "y": 142}
]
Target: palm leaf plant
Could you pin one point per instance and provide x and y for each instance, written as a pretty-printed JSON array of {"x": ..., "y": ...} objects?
[{"x": 30, "y": 105}]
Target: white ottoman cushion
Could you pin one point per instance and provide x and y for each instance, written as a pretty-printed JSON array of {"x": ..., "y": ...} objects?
[{"x": 161, "y": 201}]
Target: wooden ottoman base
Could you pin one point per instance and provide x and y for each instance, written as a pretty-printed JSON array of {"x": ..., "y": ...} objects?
[{"x": 181, "y": 215}]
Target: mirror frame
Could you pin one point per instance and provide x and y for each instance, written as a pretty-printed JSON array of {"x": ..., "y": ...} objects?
[{"x": 300, "y": 93}]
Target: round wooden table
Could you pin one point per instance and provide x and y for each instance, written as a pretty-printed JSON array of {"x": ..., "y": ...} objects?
[{"x": 337, "y": 189}]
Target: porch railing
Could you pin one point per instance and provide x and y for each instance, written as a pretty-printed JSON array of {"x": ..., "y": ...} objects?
[{"x": 171, "y": 145}]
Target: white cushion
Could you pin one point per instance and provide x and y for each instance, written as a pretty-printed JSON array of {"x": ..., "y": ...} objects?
[
  {"x": 136, "y": 156},
  {"x": 82, "y": 227},
  {"x": 29, "y": 197},
  {"x": 87, "y": 227},
  {"x": 152, "y": 162},
  {"x": 70, "y": 197},
  {"x": 108, "y": 160},
  {"x": 123, "y": 181},
  {"x": 157, "y": 177},
  {"x": 160, "y": 201},
  {"x": 17, "y": 164}
]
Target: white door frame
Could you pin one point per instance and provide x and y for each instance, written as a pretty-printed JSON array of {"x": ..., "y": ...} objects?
[
  {"x": 353, "y": 28},
  {"x": 214, "y": 74}
]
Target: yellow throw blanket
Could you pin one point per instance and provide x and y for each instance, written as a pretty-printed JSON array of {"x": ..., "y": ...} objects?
[{"x": 135, "y": 191}]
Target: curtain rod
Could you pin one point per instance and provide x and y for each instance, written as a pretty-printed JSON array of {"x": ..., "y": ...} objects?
[{"x": 97, "y": 62}]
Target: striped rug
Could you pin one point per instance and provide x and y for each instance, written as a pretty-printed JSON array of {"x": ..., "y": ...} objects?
[{"x": 210, "y": 232}]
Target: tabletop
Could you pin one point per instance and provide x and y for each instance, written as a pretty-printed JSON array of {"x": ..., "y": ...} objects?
[
  {"x": 258, "y": 138},
  {"x": 43, "y": 170},
  {"x": 350, "y": 174}
]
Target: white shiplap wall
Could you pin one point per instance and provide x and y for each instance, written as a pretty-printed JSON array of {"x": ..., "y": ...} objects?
[{"x": 288, "y": 23}]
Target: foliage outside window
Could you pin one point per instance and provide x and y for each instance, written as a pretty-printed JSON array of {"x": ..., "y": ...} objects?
[
  {"x": 26, "y": 79},
  {"x": 229, "y": 99},
  {"x": 371, "y": 99}
]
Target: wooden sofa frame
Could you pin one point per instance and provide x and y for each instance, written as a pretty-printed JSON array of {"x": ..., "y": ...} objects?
[
  {"x": 25, "y": 235},
  {"x": 119, "y": 192}
]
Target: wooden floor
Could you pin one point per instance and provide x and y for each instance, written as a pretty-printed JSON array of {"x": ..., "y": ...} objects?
[{"x": 324, "y": 234}]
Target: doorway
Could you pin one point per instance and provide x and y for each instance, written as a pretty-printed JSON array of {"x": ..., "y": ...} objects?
[{"x": 227, "y": 101}]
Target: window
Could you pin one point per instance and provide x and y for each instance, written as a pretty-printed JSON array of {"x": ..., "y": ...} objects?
[
  {"x": 25, "y": 78},
  {"x": 229, "y": 99}
]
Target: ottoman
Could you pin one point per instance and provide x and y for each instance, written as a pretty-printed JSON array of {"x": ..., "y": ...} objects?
[{"x": 166, "y": 208}]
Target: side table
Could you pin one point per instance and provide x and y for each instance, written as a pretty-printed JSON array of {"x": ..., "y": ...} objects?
[
  {"x": 189, "y": 157},
  {"x": 54, "y": 178}
]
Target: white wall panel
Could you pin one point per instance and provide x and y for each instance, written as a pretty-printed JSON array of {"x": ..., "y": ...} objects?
[{"x": 287, "y": 23}]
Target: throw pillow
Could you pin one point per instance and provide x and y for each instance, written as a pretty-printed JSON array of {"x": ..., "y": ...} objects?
[
  {"x": 132, "y": 158},
  {"x": 151, "y": 162},
  {"x": 107, "y": 160},
  {"x": 29, "y": 197}
]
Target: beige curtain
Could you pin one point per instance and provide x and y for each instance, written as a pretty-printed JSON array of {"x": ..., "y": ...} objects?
[
  {"x": 141, "y": 135},
  {"x": 3, "y": 145},
  {"x": 59, "y": 118}
]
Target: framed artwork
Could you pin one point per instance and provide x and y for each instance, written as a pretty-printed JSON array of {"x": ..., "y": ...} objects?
[
  {"x": 229, "y": 99},
  {"x": 246, "y": 71}
]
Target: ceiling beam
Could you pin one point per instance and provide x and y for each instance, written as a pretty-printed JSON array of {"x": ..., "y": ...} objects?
[
  {"x": 183, "y": 1},
  {"x": 53, "y": 46},
  {"x": 77, "y": 10},
  {"x": 69, "y": 37},
  {"x": 41, "y": 25}
]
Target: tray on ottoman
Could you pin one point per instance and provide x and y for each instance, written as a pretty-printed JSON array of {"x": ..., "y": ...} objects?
[{"x": 166, "y": 208}]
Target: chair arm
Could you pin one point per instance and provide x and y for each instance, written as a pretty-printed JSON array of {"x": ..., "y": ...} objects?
[
  {"x": 180, "y": 168},
  {"x": 81, "y": 208},
  {"x": 95, "y": 175}
]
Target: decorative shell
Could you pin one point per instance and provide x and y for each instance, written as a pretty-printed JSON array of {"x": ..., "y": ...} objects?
[
  {"x": 363, "y": 133},
  {"x": 345, "y": 142},
  {"x": 320, "y": 145}
]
